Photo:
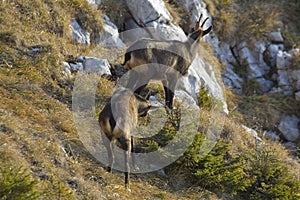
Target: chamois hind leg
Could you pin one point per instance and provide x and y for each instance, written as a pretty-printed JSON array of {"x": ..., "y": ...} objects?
[
  {"x": 127, "y": 149},
  {"x": 108, "y": 143},
  {"x": 111, "y": 157}
]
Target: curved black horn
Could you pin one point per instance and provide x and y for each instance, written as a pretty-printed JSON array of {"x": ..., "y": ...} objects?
[
  {"x": 204, "y": 22},
  {"x": 198, "y": 22}
]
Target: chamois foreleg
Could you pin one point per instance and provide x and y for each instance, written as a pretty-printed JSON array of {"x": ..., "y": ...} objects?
[
  {"x": 133, "y": 155},
  {"x": 169, "y": 87}
]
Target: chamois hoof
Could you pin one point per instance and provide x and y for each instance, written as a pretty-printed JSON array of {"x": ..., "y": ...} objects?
[
  {"x": 128, "y": 188},
  {"x": 109, "y": 169}
]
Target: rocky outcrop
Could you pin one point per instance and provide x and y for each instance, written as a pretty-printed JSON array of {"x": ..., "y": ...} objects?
[
  {"x": 95, "y": 65},
  {"x": 200, "y": 73},
  {"x": 94, "y": 3},
  {"x": 149, "y": 10},
  {"x": 151, "y": 19},
  {"x": 79, "y": 35},
  {"x": 196, "y": 8},
  {"x": 109, "y": 35},
  {"x": 288, "y": 76},
  {"x": 87, "y": 64},
  {"x": 289, "y": 127}
]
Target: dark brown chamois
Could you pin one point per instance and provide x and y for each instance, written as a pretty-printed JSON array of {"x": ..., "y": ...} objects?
[
  {"x": 154, "y": 54},
  {"x": 118, "y": 119}
]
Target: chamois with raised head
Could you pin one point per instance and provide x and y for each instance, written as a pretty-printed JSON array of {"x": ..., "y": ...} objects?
[
  {"x": 117, "y": 120},
  {"x": 171, "y": 54}
]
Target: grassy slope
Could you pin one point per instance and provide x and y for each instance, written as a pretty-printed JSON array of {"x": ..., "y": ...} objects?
[{"x": 36, "y": 127}]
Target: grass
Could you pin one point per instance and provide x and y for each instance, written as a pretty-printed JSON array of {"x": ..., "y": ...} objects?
[{"x": 39, "y": 144}]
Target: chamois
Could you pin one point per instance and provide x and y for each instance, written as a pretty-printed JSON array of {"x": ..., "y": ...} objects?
[
  {"x": 118, "y": 119},
  {"x": 171, "y": 54}
]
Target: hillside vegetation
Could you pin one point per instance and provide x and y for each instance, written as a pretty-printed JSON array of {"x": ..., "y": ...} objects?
[{"x": 41, "y": 155}]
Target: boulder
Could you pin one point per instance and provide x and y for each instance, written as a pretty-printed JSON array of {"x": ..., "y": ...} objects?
[
  {"x": 258, "y": 53},
  {"x": 199, "y": 73},
  {"x": 264, "y": 84},
  {"x": 288, "y": 126},
  {"x": 79, "y": 35},
  {"x": 297, "y": 96},
  {"x": 253, "y": 133},
  {"x": 94, "y": 3},
  {"x": 275, "y": 37},
  {"x": 75, "y": 67},
  {"x": 146, "y": 11},
  {"x": 272, "y": 52},
  {"x": 95, "y": 65},
  {"x": 196, "y": 8},
  {"x": 246, "y": 58},
  {"x": 283, "y": 79},
  {"x": 272, "y": 135},
  {"x": 67, "y": 70},
  {"x": 163, "y": 31},
  {"x": 109, "y": 35},
  {"x": 283, "y": 60},
  {"x": 154, "y": 30},
  {"x": 232, "y": 80}
]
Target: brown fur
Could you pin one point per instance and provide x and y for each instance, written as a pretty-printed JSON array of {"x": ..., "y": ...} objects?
[
  {"x": 118, "y": 119},
  {"x": 173, "y": 54}
]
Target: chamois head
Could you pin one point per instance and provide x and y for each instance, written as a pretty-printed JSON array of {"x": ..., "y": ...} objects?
[
  {"x": 198, "y": 31},
  {"x": 144, "y": 104}
]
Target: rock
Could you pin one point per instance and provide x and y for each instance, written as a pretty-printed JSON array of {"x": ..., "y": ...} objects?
[
  {"x": 272, "y": 135},
  {"x": 79, "y": 35},
  {"x": 225, "y": 53},
  {"x": 94, "y": 3},
  {"x": 264, "y": 84},
  {"x": 231, "y": 79},
  {"x": 253, "y": 133},
  {"x": 297, "y": 96},
  {"x": 149, "y": 10},
  {"x": 75, "y": 67},
  {"x": 272, "y": 52},
  {"x": 246, "y": 58},
  {"x": 258, "y": 53},
  {"x": 283, "y": 79},
  {"x": 99, "y": 66},
  {"x": 159, "y": 31},
  {"x": 276, "y": 37},
  {"x": 109, "y": 35},
  {"x": 288, "y": 126},
  {"x": 196, "y": 8},
  {"x": 167, "y": 32},
  {"x": 291, "y": 146},
  {"x": 198, "y": 73},
  {"x": 67, "y": 70},
  {"x": 282, "y": 60},
  {"x": 186, "y": 97}
]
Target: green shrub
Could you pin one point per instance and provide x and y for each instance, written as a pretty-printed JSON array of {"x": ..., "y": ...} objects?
[
  {"x": 205, "y": 100},
  {"x": 16, "y": 183},
  {"x": 271, "y": 178},
  {"x": 217, "y": 171}
]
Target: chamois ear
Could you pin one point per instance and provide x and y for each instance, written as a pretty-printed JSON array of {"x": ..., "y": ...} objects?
[{"x": 207, "y": 31}]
